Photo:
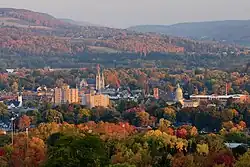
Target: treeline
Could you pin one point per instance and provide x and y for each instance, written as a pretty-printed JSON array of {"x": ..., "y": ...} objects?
[
  {"x": 40, "y": 57},
  {"x": 192, "y": 81}
]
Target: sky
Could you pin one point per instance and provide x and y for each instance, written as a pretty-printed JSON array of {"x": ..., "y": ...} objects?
[{"x": 125, "y": 13}]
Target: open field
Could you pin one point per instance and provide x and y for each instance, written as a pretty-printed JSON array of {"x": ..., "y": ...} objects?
[{"x": 100, "y": 49}]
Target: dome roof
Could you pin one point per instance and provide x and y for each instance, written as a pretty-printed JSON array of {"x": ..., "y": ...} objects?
[
  {"x": 178, "y": 93},
  {"x": 178, "y": 89}
]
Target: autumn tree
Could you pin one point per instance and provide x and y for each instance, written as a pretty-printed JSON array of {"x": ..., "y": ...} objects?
[
  {"x": 202, "y": 149},
  {"x": 122, "y": 165},
  {"x": 24, "y": 122},
  {"x": 142, "y": 119},
  {"x": 243, "y": 161},
  {"x": 170, "y": 114},
  {"x": 179, "y": 160},
  {"x": 84, "y": 114},
  {"x": 215, "y": 142},
  {"x": 227, "y": 115},
  {"x": 53, "y": 116},
  {"x": 133, "y": 152},
  {"x": 6, "y": 156},
  {"x": 74, "y": 151},
  {"x": 5, "y": 139},
  {"x": 44, "y": 130},
  {"x": 3, "y": 112},
  {"x": 182, "y": 133},
  {"x": 28, "y": 151},
  {"x": 223, "y": 157},
  {"x": 164, "y": 126},
  {"x": 35, "y": 116}
]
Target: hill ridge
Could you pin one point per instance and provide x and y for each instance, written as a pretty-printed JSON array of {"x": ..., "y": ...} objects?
[
  {"x": 230, "y": 31},
  {"x": 34, "y": 39}
]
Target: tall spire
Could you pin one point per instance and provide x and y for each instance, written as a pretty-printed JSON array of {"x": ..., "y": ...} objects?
[
  {"x": 98, "y": 69},
  {"x": 103, "y": 81},
  {"x": 98, "y": 78}
]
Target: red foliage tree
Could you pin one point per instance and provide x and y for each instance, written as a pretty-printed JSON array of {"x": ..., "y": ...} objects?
[
  {"x": 182, "y": 133},
  {"x": 28, "y": 152},
  {"x": 224, "y": 157},
  {"x": 2, "y": 153}
]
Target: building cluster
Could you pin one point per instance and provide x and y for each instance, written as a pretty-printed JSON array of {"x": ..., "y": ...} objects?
[
  {"x": 94, "y": 93},
  {"x": 196, "y": 100},
  {"x": 92, "y": 97},
  {"x": 175, "y": 97},
  {"x": 236, "y": 98},
  {"x": 99, "y": 95}
]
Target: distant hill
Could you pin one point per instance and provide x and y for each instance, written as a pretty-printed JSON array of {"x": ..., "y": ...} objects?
[
  {"x": 27, "y": 18},
  {"x": 79, "y": 23},
  {"x": 230, "y": 31}
]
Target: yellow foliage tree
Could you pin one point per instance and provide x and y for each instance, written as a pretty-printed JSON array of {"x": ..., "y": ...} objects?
[
  {"x": 243, "y": 161},
  {"x": 172, "y": 141},
  {"x": 202, "y": 149},
  {"x": 228, "y": 125},
  {"x": 43, "y": 131}
]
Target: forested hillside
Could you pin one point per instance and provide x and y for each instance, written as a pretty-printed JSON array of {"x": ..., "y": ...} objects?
[
  {"x": 231, "y": 31},
  {"x": 36, "y": 39},
  {"x": 31, "y": 18}
]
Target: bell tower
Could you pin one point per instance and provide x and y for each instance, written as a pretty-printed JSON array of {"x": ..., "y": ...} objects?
[{"x": 20, "y": 99}]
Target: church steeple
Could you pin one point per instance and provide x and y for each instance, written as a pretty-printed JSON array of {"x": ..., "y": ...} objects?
[
  {"x": 103, "y": 81},
  {"x": 100, "y": 82},
  {"x": 98, "y": 78}
]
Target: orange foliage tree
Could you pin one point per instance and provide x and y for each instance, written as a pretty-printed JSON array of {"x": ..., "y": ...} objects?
[
  {"x": 108, "y": 130},
  {"x": 28, "y": 152},
  {"x": 24, "y": 122},
  {"x": 187, "y": 131}
]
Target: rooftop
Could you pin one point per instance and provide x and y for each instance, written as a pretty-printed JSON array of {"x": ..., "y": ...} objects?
[
  {"x": 218, "y": 96},
  {"x": 234, "y": 145}
]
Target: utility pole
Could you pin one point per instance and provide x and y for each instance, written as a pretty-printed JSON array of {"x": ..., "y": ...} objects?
[
  {"x": 27, "y": 134},
  {"x": 12, "y": 133}
]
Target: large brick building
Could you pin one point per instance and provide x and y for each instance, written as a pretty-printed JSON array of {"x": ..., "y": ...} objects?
[
  {"x": 94, "y": 99},
  {"x": 65, "y": 95}
]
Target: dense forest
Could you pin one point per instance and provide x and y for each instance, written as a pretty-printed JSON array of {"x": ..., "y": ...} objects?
[{"x": 10, "y": 59}]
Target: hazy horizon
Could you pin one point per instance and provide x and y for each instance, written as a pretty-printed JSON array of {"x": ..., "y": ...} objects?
[{"x": 123, "y": 14}]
